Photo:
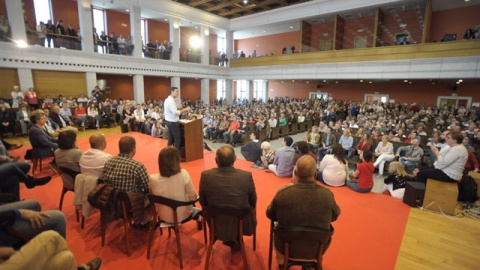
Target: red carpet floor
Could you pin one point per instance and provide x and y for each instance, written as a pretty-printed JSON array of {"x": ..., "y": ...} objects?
[{"x": 368, "y": 233}]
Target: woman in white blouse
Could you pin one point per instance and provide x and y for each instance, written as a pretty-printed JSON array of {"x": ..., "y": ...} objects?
[
  {"x": 333, "y": 169},
  {"x": 384, "y": 153},
  {"x": 174, "y": 183},
  {"x": 16, "y": 96},
  {"x": 93, "y": 113}
]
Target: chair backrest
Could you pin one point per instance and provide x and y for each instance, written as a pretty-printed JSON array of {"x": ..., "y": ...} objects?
[
  {"x": 298, "y": 238},
  {"x": 174, "y": 204},
  {"x": 238, "y": 212},
  {"x": 68, "y": 177}
]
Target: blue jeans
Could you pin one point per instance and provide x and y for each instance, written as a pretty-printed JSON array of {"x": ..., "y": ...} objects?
[
  {"x": 55, "y": 221},
  {"x": 354, "y": 186},
  {"x": 409, "y": 165}
]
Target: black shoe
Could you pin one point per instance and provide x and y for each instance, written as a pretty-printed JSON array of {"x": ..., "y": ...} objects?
[{"x": 33, "y": 182}]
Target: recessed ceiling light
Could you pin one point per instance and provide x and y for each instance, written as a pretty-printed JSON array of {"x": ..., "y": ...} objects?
[
  {"x": 293, "y": 80},
  {"x": 196, "y": 27},
  {"x": 291, "y": 27},
  {"x": 308, "y": 82},
  {"x": 264, "y": 31},
  {"x": 324, "y": 80},
  {"x": 245, "y": 2},
  {"x": 460, "y": 80},
  {"x": 370, "y": 82},
  {"x": 165, "y": 20},
  {"x": 410, "y": 82},
  {"x": 361, "y": 80},
  {"x": 127, "y": 10},
  {"x": 336, "y": 81},
  {"x": 405, "y": 80}
]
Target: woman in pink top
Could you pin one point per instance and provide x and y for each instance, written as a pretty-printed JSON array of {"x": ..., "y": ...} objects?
[
  {"x": 361, "y": 180},
  {"x": 333, "y": 169},
  {"x": 174, "y": 183}
]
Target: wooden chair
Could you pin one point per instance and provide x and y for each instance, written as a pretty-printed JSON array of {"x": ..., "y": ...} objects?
[
  {"x": 275, "y": 133},
  {"x": 295, "y": 237},
  {"x": 284, "y": 130},
  {"x": 37, "y": 160},
  {"x": 211, "y": 212},
  {"x": 294, "y": 129},
  {"x": 65, "y": 174},
  {"x": 122, "y": 200},
  {"x": 173, "y": 204}
]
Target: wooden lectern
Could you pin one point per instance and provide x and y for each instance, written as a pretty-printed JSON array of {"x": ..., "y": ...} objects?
[{"x": 192, "y": 139}]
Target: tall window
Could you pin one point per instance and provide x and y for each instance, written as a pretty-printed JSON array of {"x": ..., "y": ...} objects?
[
  {"x": 221, "y": 44},
  {"x": 259, "y": 88},
  {"x": 221, "y": 89},
  {"x": 43, "y": 11},
  {"x": 99, "y": 23},
  {"x": 242, "y": 89}
]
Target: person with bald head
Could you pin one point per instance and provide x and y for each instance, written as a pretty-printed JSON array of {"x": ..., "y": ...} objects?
[
  {"x": 228, "y": 186},
  {"x": 94, "y": 159},
  {"x": 303, "y": 204}
]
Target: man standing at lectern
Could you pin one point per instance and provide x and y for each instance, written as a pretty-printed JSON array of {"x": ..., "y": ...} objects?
[{"x": 172, "y": 113}]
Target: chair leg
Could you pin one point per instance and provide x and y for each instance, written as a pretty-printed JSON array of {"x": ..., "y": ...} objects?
[
  {"x": 179, "y": 246},
  {"x": 150, "y": 239},
  {"x": 210, "y": 243},
  {"x": 104, "y": 229},
  {"x": 34, "y": 167},
  {"x": 126, "y": 223},
  {"x": 64, "y": 190},
  {"x": 285, "y": 256},
  {"x": 242, "y": 245},
  {"x": 204, "y": 230},
  {"x": 83, "y": 222},
  {"x": 255, "y": 239},
  {"x": 77, "y": 215},
  {"x": 41, "y": 164}
]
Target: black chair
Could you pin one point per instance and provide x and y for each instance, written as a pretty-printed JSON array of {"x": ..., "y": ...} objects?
[
  {"x": 173, "y": 204},
  {"x": 73, "y": 174},
  {"x": 293, "y": 237},
  {"x": 211, "y": 212}
]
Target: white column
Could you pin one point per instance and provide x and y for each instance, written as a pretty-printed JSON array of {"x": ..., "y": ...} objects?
[
  {"x": 15, "y": 20},
  {"x": 91, "y": 78},
  {"x": 205, "y": 41},
  {"x": 265, "y": 91},
  {"x": 229, "y": 45},
  {"x": 175, "y": 39},
  {"x": 250, "y": 90},
  {"x": 86, "y": 25},
  {"x": 25, "y": 78},
  {"x": 205, "y": 91},
  {"x": 138, "y": 89},
  {"x": 229, "y": 91},
  {"x": 136, "y": 30}
]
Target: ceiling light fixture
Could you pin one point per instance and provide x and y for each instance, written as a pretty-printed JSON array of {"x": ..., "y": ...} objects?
[
  {"x": 245, "y": 2},
  {"x": 127, "y": 10},
  {"x": 291, "y": 27}
]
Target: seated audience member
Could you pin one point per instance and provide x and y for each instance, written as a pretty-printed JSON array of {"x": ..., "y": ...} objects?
[
  {"x": 240, "y": 134},
  {"x": 92, "y": 162},
  {"x": 68, "y": 156},
  {"x": 23, "y": 117},
  {"x": 80, "y": 115},
  {"x": 413, "y": 154},
  {"x": 396, "y": 181},
  {"x": 46, "y": 251},
  {"x": 174, "y": 183},
  {"x": 221, "y": 128},
  {"x": 158, "y": 130},
  {"x": 361, "y": 180},
  {"x": 66, "y": 112},
  {"x": 313, "y": 138},
  {"x": 14, "y": 171},
  {"x": 364, "y": 144},
  {"x": 7, "y": 124},
  {"x": 125, "y": 173},
  {"x": 392, "y": 136},
  {"x": 450, "y": 163},
  {"x": 92, "y": 112},
  {"x": 272, "y": 123},
  {"x": 43, "y": 144},
  {"x": 228, "y": 136},
  {"x": 472, "y": 162},
  {"x": 327, "y": 140},
  {"x": 384, "y": 153},
  {"x": 282, "y": 163},
  {"x": 229, "y": 187},
  {"x": 304, "y": 204},
  {"x": 333, "y": 169},
  {"x": 346, "y": 141},
  {"x": 268, "y": 155},
  {"x": 303, "y": 149},
  {"x": 252, "y": 150},
  {"x": 62, "y": 122},
  {"x": 413, "y": 135},
  {"x": 139, "y": 115},
  {"x": 25, "y": 217}
]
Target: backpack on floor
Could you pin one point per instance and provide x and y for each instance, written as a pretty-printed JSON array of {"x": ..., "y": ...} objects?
[{"x": 467, "y": 190}]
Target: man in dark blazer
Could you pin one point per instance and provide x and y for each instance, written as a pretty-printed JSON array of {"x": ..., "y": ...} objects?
[
  {"x": 227, "y": 186},
  {"x": 42, "y": 143},
  {"x": 326, "y": 142},
  {"x": 62, "y": 121},
  {"x": 303, "y": 204}
]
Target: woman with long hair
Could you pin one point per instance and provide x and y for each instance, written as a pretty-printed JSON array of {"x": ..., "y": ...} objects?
[{"x": 333, "y": 169}]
